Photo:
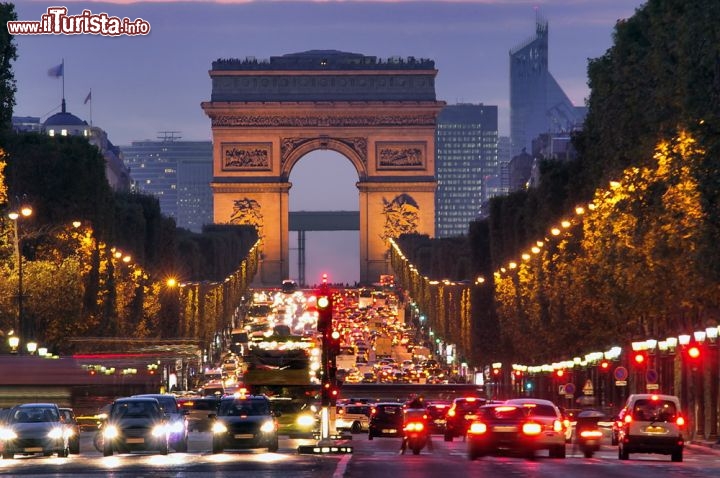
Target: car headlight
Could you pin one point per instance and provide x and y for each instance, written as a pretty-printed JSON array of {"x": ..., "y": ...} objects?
[
  {"x": 177, "y": 427},
  {"x": 159, "y": 430},
  {"x": 55, "y": 433},
  {"x": 305, "y": 420},
  {"x": 110, "y": 432},
  {"x": 268, "y": 427},
  {"x": 7, "y": 434},
  {"x": 219, "y": 427}
]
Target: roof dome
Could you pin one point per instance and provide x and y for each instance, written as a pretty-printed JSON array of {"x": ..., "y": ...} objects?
[{"x": 64, "y": 119}]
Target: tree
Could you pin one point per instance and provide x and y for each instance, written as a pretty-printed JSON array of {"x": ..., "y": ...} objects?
[{"x": 8, "y": 54}]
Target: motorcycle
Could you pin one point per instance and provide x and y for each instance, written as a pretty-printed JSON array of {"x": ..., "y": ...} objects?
[
  {"x": 588, "y": 432},
  {"x": 415, "y": 436}
]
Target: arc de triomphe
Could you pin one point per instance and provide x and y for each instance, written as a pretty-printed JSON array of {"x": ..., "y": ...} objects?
[{"x": 379, "y": 114}]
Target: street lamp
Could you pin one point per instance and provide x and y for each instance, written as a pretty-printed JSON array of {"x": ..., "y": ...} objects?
[
  {"x": 24, "y": 211},
  {"x": 14, "y": 342}
]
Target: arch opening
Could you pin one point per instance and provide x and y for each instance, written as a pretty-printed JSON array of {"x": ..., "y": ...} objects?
[{"x": 323, "y": 180}]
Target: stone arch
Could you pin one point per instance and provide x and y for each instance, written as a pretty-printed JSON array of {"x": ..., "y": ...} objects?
[
  {"x": 354, "y": 149},
  {"x": 381, "y": 115}
]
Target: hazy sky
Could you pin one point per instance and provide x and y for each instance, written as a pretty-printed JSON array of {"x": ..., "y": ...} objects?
[{"x": 145, "y": 84}]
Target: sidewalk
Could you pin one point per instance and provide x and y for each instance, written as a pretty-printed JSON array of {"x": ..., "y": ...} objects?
[{"x": 709, "y": 445}]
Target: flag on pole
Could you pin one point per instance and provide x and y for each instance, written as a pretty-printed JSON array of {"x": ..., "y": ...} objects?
[
  {"x": 88, "y": 97},
  {"x": 57, "y": 71}
]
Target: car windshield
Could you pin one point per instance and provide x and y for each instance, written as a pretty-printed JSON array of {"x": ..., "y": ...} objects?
[
  {"x": 389, "y": 410},
  {"x": 243, "y": 407},
  {"x": 139, "y": 409},
  {"x": 468, "y": 406},
  {"x": 503, "y": 413},
  {"x": 542, "y": 411},
  {"x": 654, "y": 410},
  {"x": 35, "y": 415}
]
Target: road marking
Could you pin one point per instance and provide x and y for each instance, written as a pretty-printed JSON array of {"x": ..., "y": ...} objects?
[{"x": 341, "y": 466}]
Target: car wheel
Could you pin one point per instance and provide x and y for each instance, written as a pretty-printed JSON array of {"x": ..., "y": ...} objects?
[
  {"x": 273, "y": 446},
  {"x": 75, "y": 447},
  {"x": 217, "y": 447},
  {"x": 107, "y": 450},
  {"x": 7, "y": 455},
  {"x": 677, "y": 456},
  {"x": 182, "y": 446},
  {"x": 64, "y": 452},
  {"x": 356, "y": 428},
  {"x": 370, "y": 436}
]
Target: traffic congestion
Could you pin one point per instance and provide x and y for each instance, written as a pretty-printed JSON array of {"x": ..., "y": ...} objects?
[{"x": 262, "y": 396}]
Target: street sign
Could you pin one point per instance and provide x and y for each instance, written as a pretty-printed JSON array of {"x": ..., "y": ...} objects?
[
  {"x": 651, "y": 376},
  {"x": 621, "y": 374},
  {"x": 570, "y": 388},
  {"x": 588, "y": 388}
]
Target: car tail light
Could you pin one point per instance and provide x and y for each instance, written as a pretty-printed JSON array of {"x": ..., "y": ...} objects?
[
  {"x": 680, "y": 421},
  {"x": 477, "y": 428},
  {"x": 531, "y": 428},
  {"x": 414, "y": 427},
  {"x": 558, "y": 426},
  {"x": 591, "y": 434},
  {"x": 451, "y": 412},
  {"x": 627, "y": 419}
]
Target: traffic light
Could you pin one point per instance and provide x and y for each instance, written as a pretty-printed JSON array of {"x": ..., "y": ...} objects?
[
  {"x": 639, "y": 359},
  {"x": 324, "y": 306},
  {"x": 329, "y": 393},
  {"x": 333, "y": 344},
  {"x": 560, "y": 374},
  {"x": 604, "y": 366},
  {"x": 694, "y": 353}
]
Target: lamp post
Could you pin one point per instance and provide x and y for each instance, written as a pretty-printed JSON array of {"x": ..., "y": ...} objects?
[{"x": 24, "y": 211}]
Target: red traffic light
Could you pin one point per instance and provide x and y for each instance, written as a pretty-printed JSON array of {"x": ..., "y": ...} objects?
[
  {"x": 694, "y": 352},
  {"x": 639, "y": 359},
  {"x": 604, "y": 365},
  {"x": 560, "y": 373}
]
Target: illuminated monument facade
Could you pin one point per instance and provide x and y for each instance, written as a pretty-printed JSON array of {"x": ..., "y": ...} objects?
[{"x": 379, "y": 114}]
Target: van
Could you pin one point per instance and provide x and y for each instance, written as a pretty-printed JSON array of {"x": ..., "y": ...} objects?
[{"x": 652, "y": 423}]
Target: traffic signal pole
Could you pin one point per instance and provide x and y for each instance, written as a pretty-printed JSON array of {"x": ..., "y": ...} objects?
[{"x": 328, "y": 385}]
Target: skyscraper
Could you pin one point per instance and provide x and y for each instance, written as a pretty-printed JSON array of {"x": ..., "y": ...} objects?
[
  {"x": 537, "y": 103},
  {"x": 178, "y": 173},
  {"x": 466, "y": 157}
]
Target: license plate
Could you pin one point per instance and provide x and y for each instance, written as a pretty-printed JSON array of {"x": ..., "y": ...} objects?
[
  {"x": 655, "y": 430},
  {"x": 135, "y": 440},
  {"x": 505, "y": 429},
  {"x": 470, "y": 417},
  {"x": 389, "y": 430},
  {"x": 33, "y": 449},
  {"x": 241, "y": 436}
]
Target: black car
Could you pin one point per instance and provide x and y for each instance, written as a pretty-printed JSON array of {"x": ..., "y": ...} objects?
[
  {"x": 135, "y": 424},
  {"x": 459, "y": 416},
  {"x": 176, "y": 419},
  {"x": 502, "y": 428},
  {"x": 245, "y": 421},
  {"x": 386, "y": 420},
  {"x": 197, "y": 410},
  {"x": 33, "y": 428},
  {"x": 68, "y": 417},
  {"x": 436, "y": 411}
]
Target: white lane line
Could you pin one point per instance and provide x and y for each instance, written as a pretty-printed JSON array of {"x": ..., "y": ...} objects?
[{"x": 342, "y": 465}]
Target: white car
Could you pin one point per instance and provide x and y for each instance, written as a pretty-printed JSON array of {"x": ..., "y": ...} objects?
[
  {"x": 355, "y": 417},
  {"x": 652, "y": 423}
]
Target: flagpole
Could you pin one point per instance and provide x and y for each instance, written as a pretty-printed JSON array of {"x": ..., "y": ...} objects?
[
  {"x": 63, "y": 77},
  {"x": 90, "y": 108}
]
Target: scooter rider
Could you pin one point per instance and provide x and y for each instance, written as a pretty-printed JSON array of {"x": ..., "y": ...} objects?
[{"x": 415, "y": 411}]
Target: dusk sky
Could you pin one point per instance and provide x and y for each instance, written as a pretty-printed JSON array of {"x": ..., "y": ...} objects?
[{"x": 142, "y": 85}]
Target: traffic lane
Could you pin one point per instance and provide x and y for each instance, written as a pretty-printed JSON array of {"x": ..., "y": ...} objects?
[
  {"x": 197, "y": 462},
  {"x": 381, "y": 458}
]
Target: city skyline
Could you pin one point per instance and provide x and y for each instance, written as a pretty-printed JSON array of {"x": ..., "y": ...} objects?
[{"x": 146, "y": 84}]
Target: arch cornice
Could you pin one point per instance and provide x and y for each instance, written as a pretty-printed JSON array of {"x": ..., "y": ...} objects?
[{"x": 294, "y": 148}]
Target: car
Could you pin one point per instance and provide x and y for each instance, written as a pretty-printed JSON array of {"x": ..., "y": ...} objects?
[
  {"x": 135, "y": 424},
  {"x": 386, "y": 420},
  {"x": 177, "y": 421},
  {"x": 502, "y": 428},
  {"x": 197, "y": 410},
  {"x": 353, "y": 417},
  {"x": 436, "y": 411},
  {"x": 296, "y": 418},
  {"x": 550, "y": 421},
  {"x": 459, "y": 416},
  {"x": 652, "y": 423},
  {"x": 68, "y": 417},
  {"x": 616, "y": 426},
  {"x": 244, "y": 421},
  {"x": 34, "y": 428}
]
